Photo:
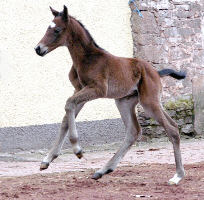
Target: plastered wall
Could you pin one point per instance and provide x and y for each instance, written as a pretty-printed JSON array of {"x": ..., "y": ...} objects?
[{"x": 33, "y": 90}]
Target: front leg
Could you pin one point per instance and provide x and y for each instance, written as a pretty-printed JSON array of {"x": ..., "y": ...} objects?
[
  {"x": 81, "y": 97},
  {"x": 56, "y": 148}
]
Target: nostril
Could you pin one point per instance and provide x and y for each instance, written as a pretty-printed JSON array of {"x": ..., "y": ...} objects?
[{"x": 37, "y": 49}]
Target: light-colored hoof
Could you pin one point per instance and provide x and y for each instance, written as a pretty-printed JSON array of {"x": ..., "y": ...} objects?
[
  {"x": 175, "y": 180},
  {"x": 44, "y": 165},
  {"x": 172, "y": 183}
]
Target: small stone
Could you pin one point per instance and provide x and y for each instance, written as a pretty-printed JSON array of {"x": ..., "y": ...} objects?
[
  {"x": 188, "y": 129},
  {"x": 188, "y": 120},
  {"x": 172, "y": 113},
  {"x": 178, "y": 2},
  {"x": 183, "y": 7},
  {"x": 167, "y": 22},
  {"x": 194, "y": 23},
  {"x": 180, "y": 122},
  {"x": 189, "y": 112},
  {"x": 183, "y": 14},
  {"x": 171, "y": 32},
  {"x": 185, "y": 32}
]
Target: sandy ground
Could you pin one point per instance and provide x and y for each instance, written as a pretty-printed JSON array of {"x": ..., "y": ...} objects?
[
  {"x": 143, "y": 173},
  {"x": 144, "y": 181}
]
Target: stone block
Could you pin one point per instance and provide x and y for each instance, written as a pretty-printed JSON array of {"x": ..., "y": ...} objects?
[
  {"x": 184, "y": 14},
  {"x": 177, "y": 53},
  {"x": 183, "y": 7},
  {"x": 174, "y": 40},
  {"x": 178, "y": 2},
  {"x": 195, "y": 10},
  {"x": 148, "y": 39},
  {"x": 171, "y": 32},
  {"x": 194, "y": 23},
  {"x": 198, "y": 98},
  {"x": 144, "y": 25},
  {"x": 164, "y": 14},
  {"x": 188, "y": 120},
  {"x": 167, "y": 22},
  {"x": 187, "y": 130},
  {"x": 153, "y": 53},
  {"x": 155, "y": 4},
  {"x": 172, "y": 113},
  {"x": 195, "y": 7},
  {"x": 185, "y": 32},
  {"x": 180, "y": 122}
]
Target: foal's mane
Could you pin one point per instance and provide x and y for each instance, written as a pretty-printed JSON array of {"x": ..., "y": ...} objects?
[{"x": 89, "y": 36}]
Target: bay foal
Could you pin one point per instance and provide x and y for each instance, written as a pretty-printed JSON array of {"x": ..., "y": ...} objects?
[{"x": 98, "y": 74}]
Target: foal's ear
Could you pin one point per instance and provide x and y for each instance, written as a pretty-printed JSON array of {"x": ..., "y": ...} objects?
[
  {"x": 65, "y": 14},
  {"x": 54, "y": 12}
]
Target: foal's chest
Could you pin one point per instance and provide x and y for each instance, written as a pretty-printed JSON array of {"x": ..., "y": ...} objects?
[{"x": 84, "y": 77}]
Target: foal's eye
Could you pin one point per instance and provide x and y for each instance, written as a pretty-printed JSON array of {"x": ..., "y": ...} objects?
[{"x": 57, "y": 30}]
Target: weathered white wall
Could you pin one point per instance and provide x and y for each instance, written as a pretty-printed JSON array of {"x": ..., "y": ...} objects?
[{"x": 33, "y": 90}]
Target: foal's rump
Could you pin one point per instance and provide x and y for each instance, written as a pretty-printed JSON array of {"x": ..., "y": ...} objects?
[{"x": 150, "y": 86}]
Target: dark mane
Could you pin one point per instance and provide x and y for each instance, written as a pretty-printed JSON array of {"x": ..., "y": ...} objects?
[{"x": 88, "y": 34}]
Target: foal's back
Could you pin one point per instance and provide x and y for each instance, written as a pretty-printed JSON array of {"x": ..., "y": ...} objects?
[{"x": 125, "y": 75}]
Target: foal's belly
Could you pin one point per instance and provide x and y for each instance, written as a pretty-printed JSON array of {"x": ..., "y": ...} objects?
[{"x": 118, "y": 90}]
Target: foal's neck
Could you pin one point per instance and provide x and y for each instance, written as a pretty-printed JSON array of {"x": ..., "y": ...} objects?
[{"x": 79, "y": 42}]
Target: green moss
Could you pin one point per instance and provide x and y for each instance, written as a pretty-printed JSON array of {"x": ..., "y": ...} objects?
[
  {"x": 183, "y": 104},
  {"x": 152, "y": 121}
]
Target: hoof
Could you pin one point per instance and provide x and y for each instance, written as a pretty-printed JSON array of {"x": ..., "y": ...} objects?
[
  {"x": 175, "y": 180},
  {"x": 109, "y": 171},
  {"x": 79, "y": 154},
  {"x": 96, "y": 176},
  {"x": 44, "y": 165},
  {"x": 172, "y": 183}
]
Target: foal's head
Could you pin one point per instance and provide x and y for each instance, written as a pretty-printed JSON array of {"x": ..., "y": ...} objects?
[{"x": 55, "y": 35}]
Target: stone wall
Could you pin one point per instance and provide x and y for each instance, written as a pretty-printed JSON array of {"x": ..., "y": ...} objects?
[
  {"x": 171, "y": 35},
  {"x": 181, "y": 111}
]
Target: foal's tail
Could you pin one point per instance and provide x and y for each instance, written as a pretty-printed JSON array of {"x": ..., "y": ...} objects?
[{"x": 170, "y": 72}]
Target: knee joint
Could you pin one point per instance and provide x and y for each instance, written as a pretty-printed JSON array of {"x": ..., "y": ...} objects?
[
  {"x": 73, "y": 139},
  {"x": 131, "y": 139},
  {"x": 70, "y": 106},
  {"x": 174, "y": 136}
]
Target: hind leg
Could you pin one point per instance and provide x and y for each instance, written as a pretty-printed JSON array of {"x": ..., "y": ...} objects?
[
  {"x": 126, "y": 107},
  {"x": 171, "y": 121},
  {"x": 155, "y": 111}
]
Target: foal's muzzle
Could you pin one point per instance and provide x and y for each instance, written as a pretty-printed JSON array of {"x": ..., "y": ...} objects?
[{"x": 41, "y": 50}]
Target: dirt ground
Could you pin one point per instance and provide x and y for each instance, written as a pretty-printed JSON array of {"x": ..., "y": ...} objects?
[{"x": 142, "y": 178}]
